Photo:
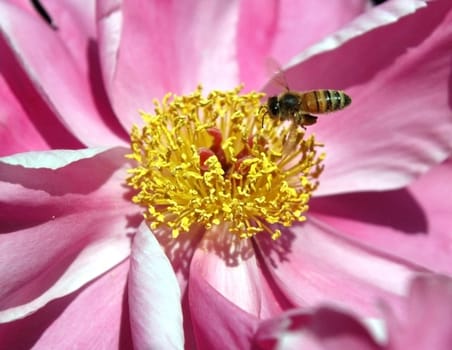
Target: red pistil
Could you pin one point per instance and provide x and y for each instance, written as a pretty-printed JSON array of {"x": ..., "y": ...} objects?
[{"x": 217, "y": 151}]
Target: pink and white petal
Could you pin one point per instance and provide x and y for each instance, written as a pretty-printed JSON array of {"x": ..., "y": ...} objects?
[
  {"x": 382, "y": 15},
  {"x": 95, "y": 317},
  {"x": 427, "y": 319},
  {"x": 326, "y": 328},
  {"x": 25, "y": 5},
  {"x": 400, "y": 121},
  {"x": 65, "y": 219},
  {"x": 413, "y": 224},
  {"x": 280, "y": 30},
  {"x": 57, "y": 79},
  {"x": 315, "y": 265},
  {"x": 236, "y": 273},
  {"x": 27, "y": 121},
  {"x": 72, "y": 20},
  {"x": 148, "y": 49},
  {"x": 218, "y": 323},
  {"x": 52, "y": 159},
  {"x": 154, "y": 296},
  {"x": 76, "y": 26},
  {"x": 78, "y": 29},
  {"x": 309, "y": 22}
]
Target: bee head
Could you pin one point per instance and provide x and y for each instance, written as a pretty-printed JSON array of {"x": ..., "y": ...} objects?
[{"x": 273, "y": 106}]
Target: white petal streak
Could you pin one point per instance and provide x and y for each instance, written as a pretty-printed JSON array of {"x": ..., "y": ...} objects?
[
  {"x": 154, "y": 296},
  {"x": 53, "y": 159},
  {"x": 377, "y": 17}
]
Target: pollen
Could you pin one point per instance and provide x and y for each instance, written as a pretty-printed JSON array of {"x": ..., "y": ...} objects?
[{"x": 207, "y": 160}]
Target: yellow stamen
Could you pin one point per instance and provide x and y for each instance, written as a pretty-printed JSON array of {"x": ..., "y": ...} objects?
[{"x": 207, "y": 160}]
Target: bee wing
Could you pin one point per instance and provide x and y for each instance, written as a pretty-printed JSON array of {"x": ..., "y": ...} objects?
[{"x": 276, "y": 72}]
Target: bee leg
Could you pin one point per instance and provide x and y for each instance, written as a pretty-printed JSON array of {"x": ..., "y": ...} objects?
[
  {"x": 263, "y": 110},
  {"x": 309, "y": 119}
]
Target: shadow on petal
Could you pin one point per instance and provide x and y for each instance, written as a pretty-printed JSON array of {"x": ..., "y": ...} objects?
[
  {"x": 30, "y": 331},
  {"x": 31, "y": 328},
  {"x": 276, "y": 251},
  {"x": 180, "y": 250},
  {"x": 39, "y": 285},
  {"x": 395, "y": 209},
  {"x": 100, "y": 95}
]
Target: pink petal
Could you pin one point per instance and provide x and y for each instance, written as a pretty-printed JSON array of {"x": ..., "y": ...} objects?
[
  {"x": 218, "y": 323},
  {"x": 27, "y": 121},
  {"x": 154, "y": 296},
  {"x": 314, "y": 265},
  {"x": 235, "y": 273},
  {"x": 324, "y": 329},
  {"x": 65, "y": 219},
  {"x": 16, "y": 131},
  {"x": 76, "y": 26},
  {"x": 413, "y": 224},
  {"x": 96, "y": 317},
  {"x": 72, "y": 20},
  {"x": 427, "y": 322},
  {"x": 280, "y": 30},
  {"x": 52, "y": 71},
  {"x": 399, "y": 123},
  {"x": 194, "y": 43}
]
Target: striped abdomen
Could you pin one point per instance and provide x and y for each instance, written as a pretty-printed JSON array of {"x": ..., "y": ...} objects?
[{"x": 324, "y": 101}]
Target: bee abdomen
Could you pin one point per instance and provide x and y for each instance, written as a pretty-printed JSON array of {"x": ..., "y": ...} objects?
[{"x": 324, "y": 101}]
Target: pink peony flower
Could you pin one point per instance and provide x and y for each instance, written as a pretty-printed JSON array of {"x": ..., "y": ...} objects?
[{"x": 67, "y": 220}]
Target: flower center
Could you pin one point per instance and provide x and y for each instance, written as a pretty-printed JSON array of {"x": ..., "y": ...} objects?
[{"x": 209, "y": 161}]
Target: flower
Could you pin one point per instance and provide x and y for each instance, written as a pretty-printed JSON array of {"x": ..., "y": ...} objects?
[{"x": 68, "y": 219}]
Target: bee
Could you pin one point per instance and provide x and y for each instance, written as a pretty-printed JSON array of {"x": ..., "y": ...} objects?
[{"x": 298, "y": 106}]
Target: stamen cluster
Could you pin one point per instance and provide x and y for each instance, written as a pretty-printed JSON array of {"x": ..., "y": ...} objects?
[{"x": 208, "y": 161}]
